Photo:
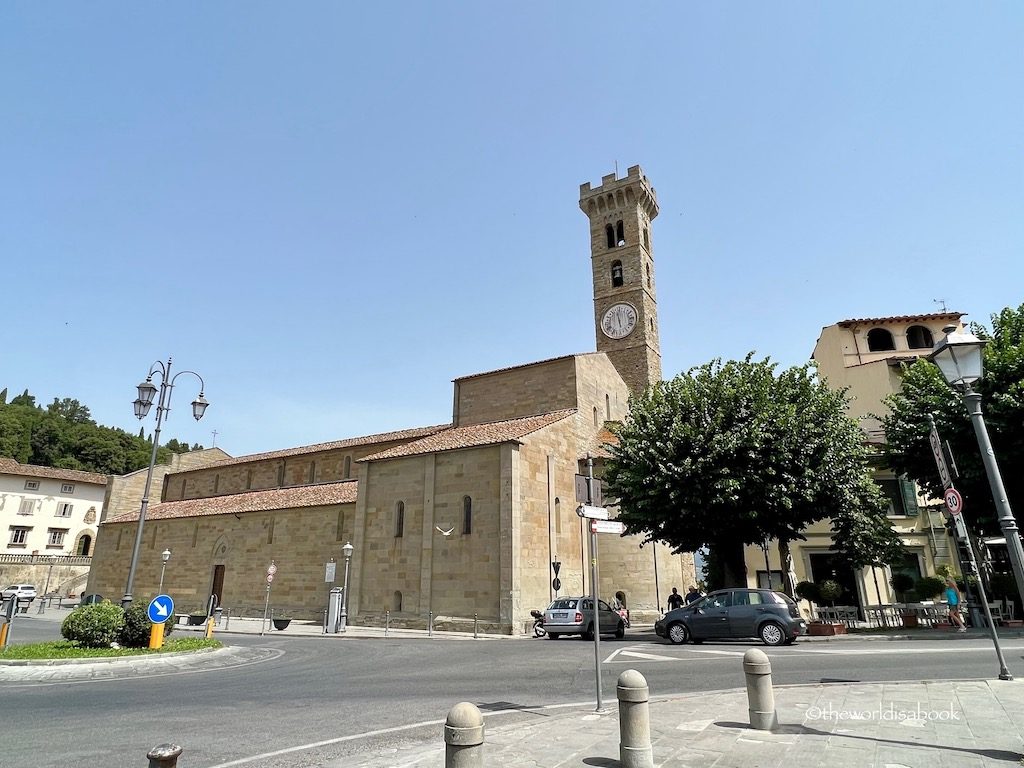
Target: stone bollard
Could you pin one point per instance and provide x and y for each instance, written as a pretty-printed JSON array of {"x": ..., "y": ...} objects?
[
  {"x": 634, "y": 721},
  {"x": 476, "y": 620},
  {"x": 760, "y": 696},
  {"x": 387, "y": 622},
  {"x": 464, "y": 737},
  {"x": 164, "y": 756}
]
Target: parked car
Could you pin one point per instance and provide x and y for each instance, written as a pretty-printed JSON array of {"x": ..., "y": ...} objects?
[
  {"x": 24, "y": 592},
  {"x": 770, "y": 616},
  {"x": 575, "y": 616}
]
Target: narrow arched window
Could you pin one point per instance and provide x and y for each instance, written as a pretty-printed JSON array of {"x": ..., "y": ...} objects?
[
  {"x": 399, "y": 519},
  {"x": 620, "y": 236},
  {"x": 616, "y": 274},
  {"x": 647, "y": 239},
  {"x": 597, "y": 420},
  {"x": 348, "y": 467},
  {"x": 608, "y": 407},
  {"x": 919, "y": 337},
  {"x": 880, "y": 340},
  {"x": 396, "y": 602},
  {"x": 467, "y": 515},
  {"x": 609, "y": 233},
  {"x": 648, "y": 275}
]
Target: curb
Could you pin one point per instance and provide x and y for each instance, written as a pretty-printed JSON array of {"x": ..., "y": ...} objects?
[{"x": 105, "y": 659}]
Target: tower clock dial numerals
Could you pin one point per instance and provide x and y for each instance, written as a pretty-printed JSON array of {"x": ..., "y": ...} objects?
[{"x": 619, "y": 321}]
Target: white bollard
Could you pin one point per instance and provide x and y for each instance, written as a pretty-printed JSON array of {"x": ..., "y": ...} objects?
[
  {"x": 635, "y": 749},
  {"x": 760, "y": 696},
  {"x": 464, "y": 737}
]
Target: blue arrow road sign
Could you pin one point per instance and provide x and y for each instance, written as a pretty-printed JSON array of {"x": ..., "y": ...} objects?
[{"x": 160, "y": 609}]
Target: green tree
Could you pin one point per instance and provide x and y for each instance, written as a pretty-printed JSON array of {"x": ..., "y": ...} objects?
[
  {"x": 733, "y": 454},
  {"x": 70, "y": 410},
  {"x": 925, "y": 392}
]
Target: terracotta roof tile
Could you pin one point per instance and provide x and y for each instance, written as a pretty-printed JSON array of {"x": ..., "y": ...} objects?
[
  {"x": 901, "y": 319},
  {"x": 598, "y": 447},
  {"x": 473, "y": 435},
  {"x": 12, "y": 467},
  {"x": 384, "y": 437},
  {"x": 251, "y": 501}
]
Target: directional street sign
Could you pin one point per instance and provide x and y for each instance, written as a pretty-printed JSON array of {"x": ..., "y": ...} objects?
[
  {"x": 607, "y": 526},
  {"x": 954, "y": 501},
  {"x": 595, "y": 497},
  {"x": 594, "y": 513},
  {"x": 161, "y": 608},
  {"x": 940, "y": 458}
]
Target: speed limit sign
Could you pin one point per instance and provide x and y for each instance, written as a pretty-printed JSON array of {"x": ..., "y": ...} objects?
[{"x": 954, "y": 501}]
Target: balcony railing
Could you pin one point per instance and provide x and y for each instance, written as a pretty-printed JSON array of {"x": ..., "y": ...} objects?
[{"x": 45, "y": 559}]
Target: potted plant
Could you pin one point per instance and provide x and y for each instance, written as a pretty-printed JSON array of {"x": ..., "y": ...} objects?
[
  {"x": 827, "y": 590},
  {"x": 902, "y": 583},
  {"x": 282, "y": 621},
  {"x": 808, "y": 590}
]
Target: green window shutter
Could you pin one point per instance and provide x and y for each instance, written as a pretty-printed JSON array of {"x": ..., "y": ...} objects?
[{"x": 909, "y": 493}]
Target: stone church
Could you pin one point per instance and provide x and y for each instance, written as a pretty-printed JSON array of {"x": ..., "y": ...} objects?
[{"x": 454, "y": 520}]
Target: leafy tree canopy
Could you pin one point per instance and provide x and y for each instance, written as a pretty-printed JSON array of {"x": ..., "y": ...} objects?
[
  {"x": 925, "y": 392},
  {"x": 63, "y": 435},
  {"x": 734, "y": 453}
]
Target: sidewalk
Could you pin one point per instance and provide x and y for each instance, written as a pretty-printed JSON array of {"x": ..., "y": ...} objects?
[{"x": 929, "y": 724}]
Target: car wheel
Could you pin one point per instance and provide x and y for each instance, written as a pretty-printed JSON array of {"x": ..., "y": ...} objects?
[
  {"x": 678, "y": 633},
  {"x": 553, "y": 636},
  {"x": 589, "y": 633},
  {"x": 772, "y": 633},
  {"x": 620, "y": 631},
  {"x": 790, "y": 641}
]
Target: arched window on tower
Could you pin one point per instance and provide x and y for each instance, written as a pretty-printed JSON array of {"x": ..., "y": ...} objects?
[
  {"x": 616, "y": 274},
  {"x": 880, "y": 340},
  {"x": 609, "y": 233},
  {"x": 399, "y": 519},
  {"x": 919, "y": 337},
  {"x": 647, "y": 239},
  {"x": 648, "y": 275},
  {"x": 620, "y": 234},
  {"x": 467, "y": 515}
]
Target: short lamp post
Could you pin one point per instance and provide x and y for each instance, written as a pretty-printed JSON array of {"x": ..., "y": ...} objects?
[
  {"x": 46, "y": 590},
  {"x": 164, "y": 557},
  {"x": 959, "y": 357},
  {"x": 347, "y": 551},
  {"x": 147, "y": 391}
]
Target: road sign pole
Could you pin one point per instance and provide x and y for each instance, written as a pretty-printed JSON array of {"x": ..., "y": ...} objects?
[{"x": 596, "y": 591}]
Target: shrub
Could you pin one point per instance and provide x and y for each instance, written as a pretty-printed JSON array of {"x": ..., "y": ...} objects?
[
  {"x": 135, "y": 632},
  {"x": 829, "y": 590},
  {"x": 928, "y": 587},
  {"x": 94, "y": 626},
  {"x": 808, "y": 590}
]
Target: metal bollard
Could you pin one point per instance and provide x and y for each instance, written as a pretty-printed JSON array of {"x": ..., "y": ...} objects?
[
  {"x": 164, "y": 756},
  {"x": 387, "y": 622},
  {"x": 227, "y": 618},
  {"x": 760, "y": 696},
  {"x": 325, "y": 622},
  {"x": 464, "y": 737},
  {"x": 635, "y": 749},
  {"x": 476, "y": 618},
  {"x": 430, "y": 624}
]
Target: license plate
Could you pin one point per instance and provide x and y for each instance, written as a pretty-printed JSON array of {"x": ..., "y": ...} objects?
[{"x": 559, "y": 615}]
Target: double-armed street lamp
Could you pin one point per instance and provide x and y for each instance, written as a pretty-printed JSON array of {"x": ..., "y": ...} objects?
[
  {"x": 959, "y": 357},
  {"x": 347, "y": 551},
  {"x": 164, "y": 557},
  {"x": 147, "y": 391}
]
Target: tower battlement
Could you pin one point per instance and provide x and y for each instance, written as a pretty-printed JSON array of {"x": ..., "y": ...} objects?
[{"x": 616, "y": 193}]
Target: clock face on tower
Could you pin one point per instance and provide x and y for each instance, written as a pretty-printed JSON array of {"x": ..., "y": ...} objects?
[{"x": 619, "y": 321}]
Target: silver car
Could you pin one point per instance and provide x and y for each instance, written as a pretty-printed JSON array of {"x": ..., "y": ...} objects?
[{"x": 575, "y": 616}]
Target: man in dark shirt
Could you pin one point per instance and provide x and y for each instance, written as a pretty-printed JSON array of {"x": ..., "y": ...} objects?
[
  {"x": 675, "y": 600},
  {"x": 692, "y": 595}
]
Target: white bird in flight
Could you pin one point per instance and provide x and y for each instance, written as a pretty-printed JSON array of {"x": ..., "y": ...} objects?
[{"x": 443, "y": 532}]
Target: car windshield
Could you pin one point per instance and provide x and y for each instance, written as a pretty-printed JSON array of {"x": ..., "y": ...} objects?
[{"x": 565, "y": 604}]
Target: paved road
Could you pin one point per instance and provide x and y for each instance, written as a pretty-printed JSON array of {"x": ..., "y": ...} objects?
[{"x": 349, "y": 696}]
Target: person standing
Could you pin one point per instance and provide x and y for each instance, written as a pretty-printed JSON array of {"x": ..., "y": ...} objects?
[
  {"x": 953, "y": 600},
  {"x": 692, "y": 595},
  {"x": 675, "y": 600}
]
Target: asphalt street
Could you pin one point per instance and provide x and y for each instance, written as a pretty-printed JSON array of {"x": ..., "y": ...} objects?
[{"x": 318, "y": 699}]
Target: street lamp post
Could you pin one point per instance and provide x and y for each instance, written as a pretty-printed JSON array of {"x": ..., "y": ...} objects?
[
  {"x": 147, "y": 391},
  {"x": 46, "y": 589},
  {"x": 164, "y": 557},
  {"x": 959, "y": 357},
  {"x": 347, "y": 550}
]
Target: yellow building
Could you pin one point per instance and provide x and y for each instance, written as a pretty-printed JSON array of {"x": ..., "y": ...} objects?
[
  {"x": 865, "y": 356},
  {"x": 458, "y": 520}
]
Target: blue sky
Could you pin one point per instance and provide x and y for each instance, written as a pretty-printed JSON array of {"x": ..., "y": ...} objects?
[{"x": 331, "y": 210}]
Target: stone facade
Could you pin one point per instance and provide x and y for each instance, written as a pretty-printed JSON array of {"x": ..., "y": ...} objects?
[{"x": 456, "y": 521}]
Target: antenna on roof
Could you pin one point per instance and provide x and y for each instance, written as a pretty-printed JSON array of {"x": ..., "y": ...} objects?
[
  {"x": 616, "y": 169},
  {"x": 941, "y": 303}
]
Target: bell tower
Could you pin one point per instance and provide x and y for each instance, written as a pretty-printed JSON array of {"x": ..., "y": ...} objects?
[{"x": 622, "y": 261}]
